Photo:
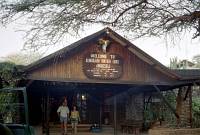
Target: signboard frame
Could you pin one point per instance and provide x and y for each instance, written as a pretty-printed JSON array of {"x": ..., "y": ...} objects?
[{"x": 105, "y": 66}]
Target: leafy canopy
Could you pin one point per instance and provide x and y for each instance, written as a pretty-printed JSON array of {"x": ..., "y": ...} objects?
[
  {"x": 23, "y": 58},
  {"x": 52, "y": 19},
  {"x": 9, "y": 74}
]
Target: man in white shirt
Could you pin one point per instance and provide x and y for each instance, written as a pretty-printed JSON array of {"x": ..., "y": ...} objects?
[{"x": 63, "y": 113}]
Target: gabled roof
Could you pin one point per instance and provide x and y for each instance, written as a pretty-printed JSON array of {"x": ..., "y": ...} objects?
[{"x": 71, "y": 49}]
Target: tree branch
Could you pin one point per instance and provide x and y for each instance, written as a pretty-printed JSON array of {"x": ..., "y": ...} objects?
[{"x": 127, "y": 9}]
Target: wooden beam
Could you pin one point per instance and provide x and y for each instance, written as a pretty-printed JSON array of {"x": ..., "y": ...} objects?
[
  {"x": 101, "y": 81},
  {"x": 166, "y": 102},
  {"x": 29, "y": 83},
  {"x": 187, "y": 92},
  {"x": 117, "y": 39}
]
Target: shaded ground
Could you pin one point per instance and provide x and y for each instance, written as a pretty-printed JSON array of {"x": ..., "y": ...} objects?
[
  {"x": 97, "y": 134},
  {"x": 107, "y": 132}
]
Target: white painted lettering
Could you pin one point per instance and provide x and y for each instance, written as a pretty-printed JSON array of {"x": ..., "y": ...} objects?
[
  {"x": 103, "y": 66},
  {"x": 115, "y": 61},
  {"x": 112, "y": 56}
]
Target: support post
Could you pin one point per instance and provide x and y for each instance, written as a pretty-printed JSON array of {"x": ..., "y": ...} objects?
[
  {"x": 115, "y": 115},
  {"x": 47, "y": 112},
  {"x": 184, "y": 106},
  {"x": 43, "y": 114},
  {"x": 100, "y": 115},
  {"x": 190, "y": 103},
  {"x": 166, "y": 102}
]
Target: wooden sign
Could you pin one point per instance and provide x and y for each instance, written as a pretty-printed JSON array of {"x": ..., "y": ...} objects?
[{"x": 102, "y": 66}]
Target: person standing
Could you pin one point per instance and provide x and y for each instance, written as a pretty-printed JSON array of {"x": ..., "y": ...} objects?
[
  {"x": 75, "y": 118},
  {"x": 63, "y": 113}
]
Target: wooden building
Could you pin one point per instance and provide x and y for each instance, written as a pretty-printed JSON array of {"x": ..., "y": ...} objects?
[{"x": 105, "y": 75}]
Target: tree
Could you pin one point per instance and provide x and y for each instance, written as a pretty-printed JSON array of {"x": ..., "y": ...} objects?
[
  {"x": 10, "y": 69},
  {"x": 23, "y": 58},
  {"x": 196, "y": 60},
  {"x": 9, "y": 74},
  {"x": 196, "y": 111},
  {"x": 174, "y": 63},
  {"x": 52, "y": 19}
]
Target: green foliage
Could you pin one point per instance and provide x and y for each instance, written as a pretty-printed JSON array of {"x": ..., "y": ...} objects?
[
  {"x": 23, "y": 58},
  {"x": 159, "y": 111},
  {"x": 171, "y": 98},
  {"x": 196, "y": 60},
  {"x": 151, "y": 112},
  {"x": 196, "y": 112},
  {"x": 8, "y": 74},
  {"x": 167, "y": 113},
  {"x": 5, "y": 100},
  {"x": 11, "y": 107}
]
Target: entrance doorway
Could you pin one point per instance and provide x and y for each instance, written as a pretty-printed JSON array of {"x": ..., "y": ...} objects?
[
  {"x": 91, "y": 100},
  {"x": 87, "y": 104},
  {"x": 79, "y": 99}
]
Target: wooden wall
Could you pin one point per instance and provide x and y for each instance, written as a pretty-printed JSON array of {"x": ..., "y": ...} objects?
[{"x": 70, "y": 68}]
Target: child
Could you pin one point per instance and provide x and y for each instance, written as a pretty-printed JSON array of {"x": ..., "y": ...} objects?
[{"x": 75, "y": 118}]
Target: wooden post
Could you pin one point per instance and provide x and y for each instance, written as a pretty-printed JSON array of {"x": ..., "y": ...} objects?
[
  {"x": 184, "y": 106},
  {"x": 43, "y": 114},
  {"x": 178, "y": 106},
  {"x": 190, "y": 102},
  {"x": 100, "y": 114},
  {"x": 47, "y": 112},
  {"x": 115, "y": 115}
]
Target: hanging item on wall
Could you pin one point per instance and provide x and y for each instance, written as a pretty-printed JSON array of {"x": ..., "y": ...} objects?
[{"x": 103, "y": 44}]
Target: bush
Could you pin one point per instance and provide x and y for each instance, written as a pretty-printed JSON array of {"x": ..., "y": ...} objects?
[{"x": 196, "y": 112}]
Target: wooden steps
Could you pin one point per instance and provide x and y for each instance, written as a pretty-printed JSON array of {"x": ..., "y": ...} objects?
[
  {"x": 81, "y": 128},
  {"x": 55, "y": 128}
]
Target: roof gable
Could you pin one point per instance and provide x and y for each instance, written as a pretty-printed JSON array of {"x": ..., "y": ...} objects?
[{"x": 73, "y": 48}]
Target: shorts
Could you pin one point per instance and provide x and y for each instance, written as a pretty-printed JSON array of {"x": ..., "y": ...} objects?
[
  {"x": 74, "y": 120},
  {"x": 63, "y": 119}
]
